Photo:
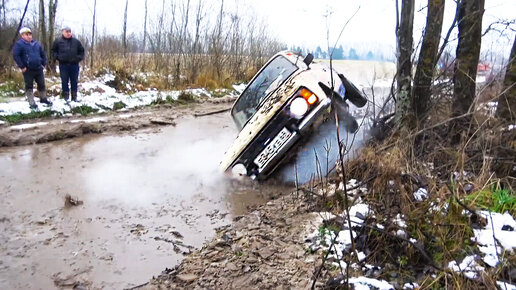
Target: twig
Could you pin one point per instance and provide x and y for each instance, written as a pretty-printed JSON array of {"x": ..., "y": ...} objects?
[
  {"x": 495, "y": 241},
  {"x": 212, "y": 113},
  {"x": 137, "y": 286},
  {"x": 324, "y": 261},
  {"x": 419, "y": 248}
]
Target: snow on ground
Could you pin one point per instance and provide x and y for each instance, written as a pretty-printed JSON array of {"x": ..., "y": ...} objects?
[
  {"x": 497, "y": 236},
  {"x": 469, "y": 267},
  {"x": 92, "y": 120},
  {"x": 27, "y": 126},
  {"x": 421, "y": 194},
  {"x": 239, "y": 88},
  {"x": 97, "y": 95},
  {"x": 505, "y": 286},
  {"x": 366, "y": 283}
]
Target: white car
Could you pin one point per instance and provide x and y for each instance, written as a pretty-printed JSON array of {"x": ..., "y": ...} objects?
[{"x": 282, "y": 104}]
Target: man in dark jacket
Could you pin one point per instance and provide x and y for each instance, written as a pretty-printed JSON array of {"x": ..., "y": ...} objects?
[
  {"x": 69, "y": 52},
  {"x": 31, "y": 59}
]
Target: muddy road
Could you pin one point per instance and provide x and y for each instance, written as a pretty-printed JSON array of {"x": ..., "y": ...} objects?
[{"x": 137, "y": 204}]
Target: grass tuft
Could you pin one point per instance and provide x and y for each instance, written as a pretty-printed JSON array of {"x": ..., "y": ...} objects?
[
  {"x": 18, "y": 117},
  {"x": 494, "y": 199},
  {"x": 84, "y": 110},
  {"x": 119, "y": 105}
]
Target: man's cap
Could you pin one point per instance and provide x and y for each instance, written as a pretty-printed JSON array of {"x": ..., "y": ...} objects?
[
  {"x": 67, "y": 28},
  {"x": 25, "y": 30}
]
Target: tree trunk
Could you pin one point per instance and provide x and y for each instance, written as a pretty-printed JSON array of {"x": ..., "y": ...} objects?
[
  {"x": 124, "y": 33},
  {"x": 52, "y": 8},
  {"x": 92, "y": 49},
  {"x": 43, "y": 25},
  {"x": 4, "y": 21},
  {"x": 404, "y": 78},
  {"x": 465, "y": 71},
  {"x": 427, "y": 58},
  {"x": 506, "y": 110}
]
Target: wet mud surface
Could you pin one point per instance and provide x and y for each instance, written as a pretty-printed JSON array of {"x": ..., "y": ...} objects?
[
  {"x": 38, "y": 131},
  {"x": 112, "y": 211}
]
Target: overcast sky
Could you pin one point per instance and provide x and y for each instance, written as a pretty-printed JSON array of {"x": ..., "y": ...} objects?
[{"x": 296, "y": 22}]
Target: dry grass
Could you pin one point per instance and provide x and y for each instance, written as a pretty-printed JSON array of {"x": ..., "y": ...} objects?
[{"x": 476, "y": 174}]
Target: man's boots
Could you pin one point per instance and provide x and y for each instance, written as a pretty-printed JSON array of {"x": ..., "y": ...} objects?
[
  {"x": 30, "y": 98},
  {"x": 66, "y": 95},
  {"x": 43, "y": 98},
  {"x": 74, "y": 96}
]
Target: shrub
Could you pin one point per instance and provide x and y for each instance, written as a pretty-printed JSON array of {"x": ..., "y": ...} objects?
[
  {"x": 84, "y": 110},
  {"x": 119, "y": 105}
]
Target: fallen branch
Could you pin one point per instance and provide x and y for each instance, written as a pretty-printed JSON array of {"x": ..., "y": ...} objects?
[{"x": 211, "y": 113}]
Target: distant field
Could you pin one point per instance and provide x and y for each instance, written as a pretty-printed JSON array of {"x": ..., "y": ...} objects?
[{"x": 364, "y": 72}]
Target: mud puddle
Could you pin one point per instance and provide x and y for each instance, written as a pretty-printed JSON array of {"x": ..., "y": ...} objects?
[{"x": 139, "y": 203}]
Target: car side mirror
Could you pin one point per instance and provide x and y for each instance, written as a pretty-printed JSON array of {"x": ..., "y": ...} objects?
[{"x": 308, "y": 59}]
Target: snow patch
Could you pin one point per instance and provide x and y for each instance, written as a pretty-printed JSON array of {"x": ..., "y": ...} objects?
[
  {"x": 505, "y": 286},
  {"x": 92, "y": 120},
  {"x": 240, "y": 87},
  {"x": 411, "y": 285},
  {"x": 366, "y": 283},
  {"x": 99, "y": 96},
  {"x": 468, "y": 267},
  {"x": 492, "y": 240},
  {"x": 27, "y": 126},
  {"x": 421, "y": 194}
]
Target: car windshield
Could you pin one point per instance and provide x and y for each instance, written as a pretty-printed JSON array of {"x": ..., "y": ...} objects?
[{"x": 267, "y": 81}]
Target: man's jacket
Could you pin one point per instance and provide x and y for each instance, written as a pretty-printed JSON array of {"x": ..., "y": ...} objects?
[
  {"x": 68, "y": 50},
  {"x": 29, "y": 55}
]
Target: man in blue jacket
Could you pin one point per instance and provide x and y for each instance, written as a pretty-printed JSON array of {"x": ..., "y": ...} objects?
[
  {"x": 69, "y": 51},
  {"x": 31, "y": 59}
]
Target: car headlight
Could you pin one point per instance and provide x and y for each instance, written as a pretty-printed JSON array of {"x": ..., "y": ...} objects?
[
  {"x": 298, "y": 107},
  {"x": 239, "y": 170}
]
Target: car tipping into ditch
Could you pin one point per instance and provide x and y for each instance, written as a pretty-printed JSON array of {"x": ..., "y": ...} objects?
[{"x": 284, "y": 102}]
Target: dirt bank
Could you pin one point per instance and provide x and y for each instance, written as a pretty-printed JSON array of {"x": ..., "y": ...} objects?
[
  {"x": 37, "y": 131},
  {"x": 262, "y": 250}
]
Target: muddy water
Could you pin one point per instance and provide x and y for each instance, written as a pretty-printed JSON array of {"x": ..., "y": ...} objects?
[{"x": 145, "y": 200}]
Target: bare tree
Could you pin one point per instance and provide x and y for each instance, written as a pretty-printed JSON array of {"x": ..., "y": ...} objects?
[
  {"x": 427, "y": 58},
  {"x": 4, "y": 20},
  {"x": 404, "y": 77},
  {"x": 42, "y": 25},
  {"x": 93, "y": 33},
  {"x": 19, "y": 25},
  {"x": 217, "y": 45},
  {"x": 46, "y": 29},
  {"x": 465, "y": 71},
  {"x": 181, "y": 41},
  {"x": 506, "y": 110},
  {"x": 196, "y": 49},
  {"x": 144, "y": 28},
  {"x": 124, "y": 33},
  {"x": 52, "y": 9}
]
